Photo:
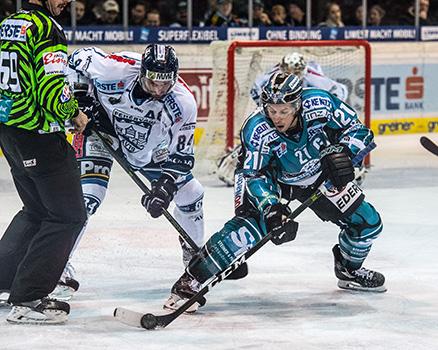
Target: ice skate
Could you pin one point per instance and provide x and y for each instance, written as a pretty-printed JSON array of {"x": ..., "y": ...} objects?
[
  {"x": 361, "y": 279},
  {"x": 43, "y": 311},
  {"x": 182, "y": 290},
  {"x": 66, "y": 286}
]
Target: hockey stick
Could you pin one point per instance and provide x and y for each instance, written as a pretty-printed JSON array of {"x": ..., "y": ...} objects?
[
  {"x": 124, "y": 164},
  {"x": 151, "y": 321},
  {"x": 428, "y": 144}
]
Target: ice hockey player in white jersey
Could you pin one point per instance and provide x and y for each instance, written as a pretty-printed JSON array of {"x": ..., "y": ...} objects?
[
  {"x": 149, "y": 113},
  {"x": 311, "y": 75}
]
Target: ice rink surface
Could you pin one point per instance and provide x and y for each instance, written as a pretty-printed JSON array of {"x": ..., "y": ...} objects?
[{"x": 288, "y": 301}]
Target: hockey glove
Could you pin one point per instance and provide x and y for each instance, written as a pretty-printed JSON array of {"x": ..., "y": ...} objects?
[
  {"x": 336, "y": 165},
  {"x": 90, "y": 107},
  {"x": 281, "y": 228},
  {"x": 161, "y": 195}
]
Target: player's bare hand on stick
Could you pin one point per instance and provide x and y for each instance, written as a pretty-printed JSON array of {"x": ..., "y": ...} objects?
[{"x": 80, "y": 122}]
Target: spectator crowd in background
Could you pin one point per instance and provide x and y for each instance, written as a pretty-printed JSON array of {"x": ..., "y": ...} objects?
[{"x": 234, "y": 13}]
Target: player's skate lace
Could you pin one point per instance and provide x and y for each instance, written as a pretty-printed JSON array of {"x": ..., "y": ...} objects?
[
  {"x": 360, "y": 279},
  {"x": 364, "y": 273}
]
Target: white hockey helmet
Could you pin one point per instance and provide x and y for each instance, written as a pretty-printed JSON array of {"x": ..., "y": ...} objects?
[{"x": 294, "y": 63}]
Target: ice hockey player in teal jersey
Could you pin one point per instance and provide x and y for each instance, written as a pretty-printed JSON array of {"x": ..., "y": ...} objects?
[{"x": 292, "y": 139}]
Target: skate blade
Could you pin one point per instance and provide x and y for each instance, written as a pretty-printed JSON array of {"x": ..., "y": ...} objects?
[
  {"x": 357, "y": 287},
  {"x": 52, "y": 317}
]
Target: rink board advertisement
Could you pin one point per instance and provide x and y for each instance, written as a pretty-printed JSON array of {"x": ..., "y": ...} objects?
[
  {"x": 403, "y": 91},
  {"x": 138, "y": 35},
  {"x": 403, "y": 87},
  {"x": 404, "y": 98}
]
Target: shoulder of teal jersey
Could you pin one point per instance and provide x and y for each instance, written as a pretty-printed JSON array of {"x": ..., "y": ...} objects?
[
  {"x": 313, "y": 92},
  {"x": 257, "y": 118}
]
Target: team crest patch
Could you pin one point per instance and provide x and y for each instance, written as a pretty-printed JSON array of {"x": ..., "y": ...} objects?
[
  {"x": 281, "y": 149},
  {"x": 134, "y": 138},
  {"x": 66, "y": 94}
]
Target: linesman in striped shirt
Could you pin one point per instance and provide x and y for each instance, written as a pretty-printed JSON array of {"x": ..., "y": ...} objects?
[{"x": 35, "y": 103}]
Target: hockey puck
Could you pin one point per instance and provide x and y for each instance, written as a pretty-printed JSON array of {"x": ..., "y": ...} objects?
[{"x": 149, "y": 321}]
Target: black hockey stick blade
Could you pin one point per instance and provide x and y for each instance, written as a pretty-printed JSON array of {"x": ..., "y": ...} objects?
[
  {"x": 428, "y": 144},
  {"x": 150, "y": 321}
]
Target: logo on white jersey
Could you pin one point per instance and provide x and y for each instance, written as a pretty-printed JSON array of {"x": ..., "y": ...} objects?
[
  {"x": 110, "y": 86},
  {"x": 134, "y": 136},
  {"x": 55, "y": 62},
  {"x": 157, "y": 76},
  {"x": 14, "y": 29}
]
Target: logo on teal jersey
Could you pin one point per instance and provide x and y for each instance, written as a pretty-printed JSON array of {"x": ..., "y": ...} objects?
[
  {"x": 5, "y": 108},
  {"x": 281, "y": 149}
]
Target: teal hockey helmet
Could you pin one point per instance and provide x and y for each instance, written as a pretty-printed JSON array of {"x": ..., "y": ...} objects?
[{"x": 282, "y": 88}]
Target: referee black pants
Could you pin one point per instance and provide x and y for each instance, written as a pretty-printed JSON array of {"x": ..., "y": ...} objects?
[{"x": 37, "y": 243}]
